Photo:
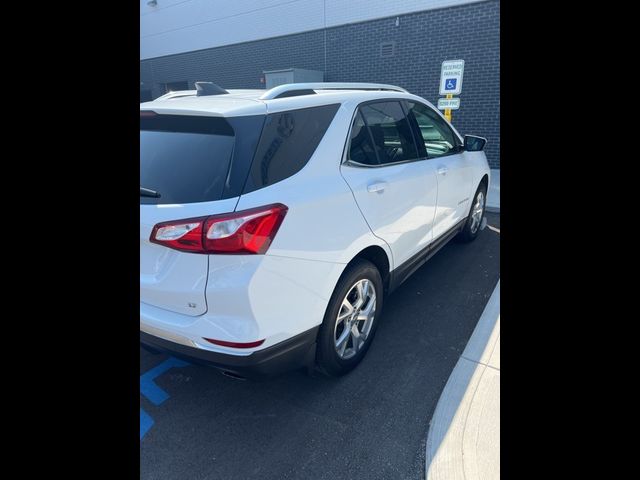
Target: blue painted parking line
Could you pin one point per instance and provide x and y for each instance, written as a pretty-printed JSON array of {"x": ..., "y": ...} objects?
[
  {"x": 147, "y": 386},
  {"x": 146, "y": 422},
  {"x": 153, "y": 392}
]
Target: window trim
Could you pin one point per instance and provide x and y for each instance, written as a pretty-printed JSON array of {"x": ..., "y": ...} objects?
[
  {"x": 460, "y": 146},
  {"x": 346, "y": 161}
]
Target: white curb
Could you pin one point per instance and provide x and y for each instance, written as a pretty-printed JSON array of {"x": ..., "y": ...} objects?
[
  {"x": 464, "y": 436},
  {"x": 493, "y": 195}
]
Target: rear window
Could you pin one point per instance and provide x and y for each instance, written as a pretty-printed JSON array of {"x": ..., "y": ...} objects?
[{"x": 185, "y": 159}]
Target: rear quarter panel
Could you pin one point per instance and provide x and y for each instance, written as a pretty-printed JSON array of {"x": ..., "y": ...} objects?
[{"x": 323, "y": 222}]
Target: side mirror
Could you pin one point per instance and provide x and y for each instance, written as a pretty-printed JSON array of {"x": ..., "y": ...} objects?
[{"x": 473, "y": 143}]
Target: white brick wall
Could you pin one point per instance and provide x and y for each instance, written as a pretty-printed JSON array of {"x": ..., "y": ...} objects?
[{"x": 177, "y": 26}]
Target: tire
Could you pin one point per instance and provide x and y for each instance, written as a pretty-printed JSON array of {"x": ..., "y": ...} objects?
[
  {"x": 337, "y": 359},
  {"x": 471, "y": 228}
]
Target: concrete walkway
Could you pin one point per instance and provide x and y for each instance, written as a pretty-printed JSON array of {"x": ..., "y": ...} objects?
[
  {"x": 464, "y": 436},
  {"x": 493, "y": 196}
]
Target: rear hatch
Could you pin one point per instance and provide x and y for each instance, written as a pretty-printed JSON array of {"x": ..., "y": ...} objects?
[{"x": 197, "y": 165}]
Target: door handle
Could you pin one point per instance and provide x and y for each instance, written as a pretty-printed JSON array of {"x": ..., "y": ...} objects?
[
  {"x": 377, "y": 187},
  {"x": 442, "y": 170}
]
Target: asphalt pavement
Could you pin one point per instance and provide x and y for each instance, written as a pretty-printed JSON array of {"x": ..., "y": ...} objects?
[{"x": 373, "y": 423}]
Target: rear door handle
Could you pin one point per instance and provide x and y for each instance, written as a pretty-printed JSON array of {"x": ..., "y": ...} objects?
[
  {"x": 377, "y": 187},
  {"x": 442, "y": 170}
]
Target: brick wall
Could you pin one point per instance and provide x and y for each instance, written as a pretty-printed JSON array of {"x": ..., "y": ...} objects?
[{"x": 422, "y": 41}]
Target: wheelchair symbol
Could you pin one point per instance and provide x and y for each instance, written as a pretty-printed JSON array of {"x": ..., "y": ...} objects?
[{"x": 450, "y": 84}]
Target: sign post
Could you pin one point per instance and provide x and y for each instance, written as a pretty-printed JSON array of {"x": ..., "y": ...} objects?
[
  {"x": 451, "y": 84},
  {"x": 447, "y": 111}
]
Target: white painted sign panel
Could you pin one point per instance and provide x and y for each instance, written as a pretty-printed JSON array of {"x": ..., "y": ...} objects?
[
  {"x": 451, "y": 103},
  {"x": 451, "y": 77}
]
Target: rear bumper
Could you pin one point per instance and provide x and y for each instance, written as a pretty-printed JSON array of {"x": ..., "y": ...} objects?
[{"x": 296, "y": 352}]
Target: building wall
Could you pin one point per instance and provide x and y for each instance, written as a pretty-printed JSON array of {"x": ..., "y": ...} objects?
[
  {"x": 178, "y": 26},
  {"x": 351, "y": 53}
]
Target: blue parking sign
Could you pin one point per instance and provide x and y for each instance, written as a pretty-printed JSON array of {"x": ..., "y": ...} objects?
[{"x": 450, "y": 83}]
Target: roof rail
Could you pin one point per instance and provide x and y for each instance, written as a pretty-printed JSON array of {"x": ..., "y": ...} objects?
[
  {"x": 202, "y": 89},
  {"x": 288, "y": 89},
  {"x": 177, "y": 93}
]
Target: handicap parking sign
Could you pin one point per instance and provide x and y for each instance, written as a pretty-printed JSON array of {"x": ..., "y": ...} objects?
[{"x": 451, "y": 77}]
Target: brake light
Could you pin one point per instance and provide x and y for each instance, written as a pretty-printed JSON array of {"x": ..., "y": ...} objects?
[{"x": 246, "y": 232}]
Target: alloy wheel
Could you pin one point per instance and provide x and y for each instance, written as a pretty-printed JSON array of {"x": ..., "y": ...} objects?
[
  {"x": 355, "y": 319},
  {"x": 477, "y": 212}
]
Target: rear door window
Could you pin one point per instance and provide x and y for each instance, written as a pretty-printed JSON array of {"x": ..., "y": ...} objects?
[
  {"x": 361, "y": 149},
  {"x": 390, "y": 132},
  {"x": 186, "y": 159}
]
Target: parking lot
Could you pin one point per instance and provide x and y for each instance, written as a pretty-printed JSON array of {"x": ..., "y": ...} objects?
[{"x": 372, "y": 423}]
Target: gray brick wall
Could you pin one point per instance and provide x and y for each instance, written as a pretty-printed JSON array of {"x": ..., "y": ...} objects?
[{"x": 422, "y": 41}]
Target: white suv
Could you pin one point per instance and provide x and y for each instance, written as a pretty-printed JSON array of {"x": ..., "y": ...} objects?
[{"x": 273, "y": 223}]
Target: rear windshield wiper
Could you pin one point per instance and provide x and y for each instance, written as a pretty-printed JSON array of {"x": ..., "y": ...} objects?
[{"x": 146, "y": 192}]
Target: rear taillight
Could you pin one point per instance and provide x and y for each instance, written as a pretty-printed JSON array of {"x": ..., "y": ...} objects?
[{"x": 246, "y": 232}]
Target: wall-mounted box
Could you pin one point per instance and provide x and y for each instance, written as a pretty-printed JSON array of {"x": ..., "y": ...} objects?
[{"x": 273, "y": 78}]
